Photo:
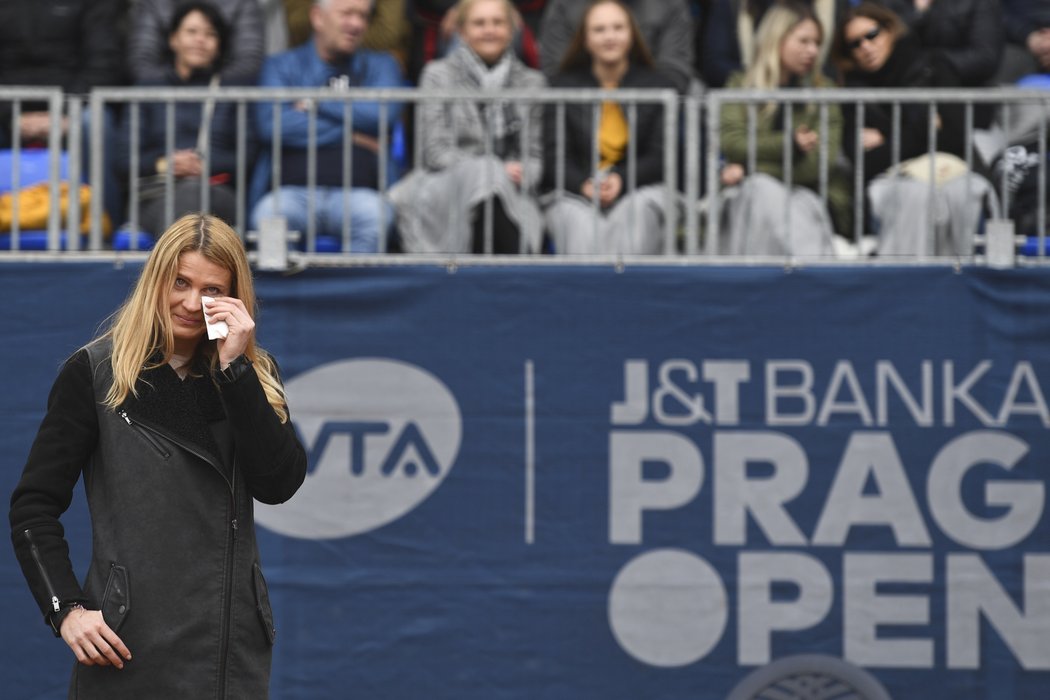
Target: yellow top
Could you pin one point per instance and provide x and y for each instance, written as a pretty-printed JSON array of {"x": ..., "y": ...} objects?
[{"x": 612, "y": 135}]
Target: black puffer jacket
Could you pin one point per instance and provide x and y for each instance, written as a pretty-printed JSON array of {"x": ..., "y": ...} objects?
[
  {"x": 967, "y": 35},
  {"x": 170, "y": 479},
  {"x": 906, "y": 67}
]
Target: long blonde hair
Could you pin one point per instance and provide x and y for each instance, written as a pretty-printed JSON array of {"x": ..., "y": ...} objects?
[
  {"x": 780, "y": 20},
  {"x": 141, "y": 327}
]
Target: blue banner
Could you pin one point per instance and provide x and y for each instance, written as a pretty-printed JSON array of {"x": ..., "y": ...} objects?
[{"x": 656, "y": 482}]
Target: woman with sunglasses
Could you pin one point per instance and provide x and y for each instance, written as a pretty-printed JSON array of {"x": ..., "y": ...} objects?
[{"x": 874, "y": 49}]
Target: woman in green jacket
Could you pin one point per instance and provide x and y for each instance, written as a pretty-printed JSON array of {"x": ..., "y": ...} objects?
[{"x": 787, "y": 55}]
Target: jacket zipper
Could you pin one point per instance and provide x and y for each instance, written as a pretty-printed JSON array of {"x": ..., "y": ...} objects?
[
  {"x": 146, "y": 434},
  {"x": 227, "y": 598},
  {"x": 224, "y": 650},
  {"x": 56, "y": 604}
]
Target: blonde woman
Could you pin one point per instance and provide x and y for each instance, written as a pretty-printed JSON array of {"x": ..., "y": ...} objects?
[
  {"x": 787, "y": 56},
  {"x": 481, "y": 158},
  {"x": 174, "y": 435}
]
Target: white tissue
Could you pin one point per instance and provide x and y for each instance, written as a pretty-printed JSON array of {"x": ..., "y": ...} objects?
[{"x": 219, "y": 329}]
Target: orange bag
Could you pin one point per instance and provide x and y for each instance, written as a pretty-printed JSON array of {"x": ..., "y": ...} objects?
[{"x": 34, "y": 206}]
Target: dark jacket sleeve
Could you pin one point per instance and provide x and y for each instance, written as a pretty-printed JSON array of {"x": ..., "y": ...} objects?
[
  {"x": 720, "y": 48},
  {"x": 62, "y": 448},
  {"x": 649, "y": 129},
  {"x": 575, "y": 158},
  {"x": 968, "y": 35},
  {"x": 269, "y": 453}
]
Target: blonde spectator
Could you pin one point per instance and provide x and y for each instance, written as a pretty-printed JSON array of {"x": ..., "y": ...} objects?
[
  {"x": 787, "y": 55},
  {"x": 477, "y": 154}
]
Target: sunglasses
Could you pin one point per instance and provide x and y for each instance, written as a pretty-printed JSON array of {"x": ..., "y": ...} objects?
[{"x": 855, "y": 44}]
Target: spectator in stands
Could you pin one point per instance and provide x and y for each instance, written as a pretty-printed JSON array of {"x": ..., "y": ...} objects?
[
  {"x": 148, "y": 44},
  {"x": 666, "y": 27},
  {"x": 389, "y": 29},
  {"x": 1027, "y": 24},
  {"x": 766, "y": 218},
  {"x": 205, "y": 135},
  {"x": 435, "y": 31},
  {"x": 333, "y": 58},
  {"x": 596, "y": 213},
  {"x": 966, "y": 36},
  {"x": 729, "y": 41},
  {"x": 875, "y": 50},
  {"x": 441, "y": 206},
  {"x": 70, "y": 44}
]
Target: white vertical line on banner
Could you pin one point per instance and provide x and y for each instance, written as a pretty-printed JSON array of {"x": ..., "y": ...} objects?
[{"x": 530, "y": 455}]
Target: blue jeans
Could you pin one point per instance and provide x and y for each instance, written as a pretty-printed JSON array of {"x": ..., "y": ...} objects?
[{"x": 364, "y": 210}]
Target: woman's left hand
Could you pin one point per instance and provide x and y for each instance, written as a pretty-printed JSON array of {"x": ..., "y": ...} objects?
[
  {"x": 514, "y": 171},
  {"x": 806, "y": 139},
  {"x": 610, "y": 188},
  {"x": 241, "y": 326}
]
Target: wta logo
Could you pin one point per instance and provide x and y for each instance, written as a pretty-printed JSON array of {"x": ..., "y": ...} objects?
[{"x": 380, "y": 437}]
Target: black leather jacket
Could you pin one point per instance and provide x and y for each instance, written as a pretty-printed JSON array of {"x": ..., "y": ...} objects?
[{"x": 170, "y": 479}]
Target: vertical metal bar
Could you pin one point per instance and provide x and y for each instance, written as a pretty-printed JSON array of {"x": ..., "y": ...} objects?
[
  {"x": 134, "y": 166},
  {"x": 526, "y": 155},
  {"x": 275, "y": 157},
  {"x": 348, "y": 140},
  {"x": 670, "y": 169},
  {"x": 76, "y": 150},
  {"x": 1041, "y": 208},
  {"x": 559, "y": 167},
  {"x": 487, "y": 206},
  {"x": 1004, "y": 191},
  {"x": 311, "y": 178},
  {"x": 596, "y": 212},
  {"x": 789, "y": 173},
  {"x": 714, "y": 146},
  {"x": 968, "y": 154},
  {"x": 858, "y": 175},
  {"x": 692, "y": 174},
  {"x": 384, "y": 151},
  {"x": 822, "y": 187},
  {"x": 931, "y": 221},
  {"x": 16, "y": 173},
  {"x": 56, "y": 108},
  {"x": 632, "y": 165},
  {"x": 895, "y": 143},
  {"x": 752, "y": 138},
  {"x": 419, "y": 162},
  {"x": 97, "y": 156},
  {"x": 349, "y": 116},
  {"x": 169, "y": 172},
  {"x": 242, "y": 174},
  {"x": 205, "y": 179}
]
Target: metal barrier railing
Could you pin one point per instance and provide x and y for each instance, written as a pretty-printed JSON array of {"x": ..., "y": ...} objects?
[
  {"x": 18, "y": 96},
  {"x": 715, "y": 100},
  {"x": 389, "y": 102},
  {"x": 691, "y": 137}
]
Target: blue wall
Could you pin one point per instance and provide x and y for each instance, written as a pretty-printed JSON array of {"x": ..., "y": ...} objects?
[{"x": 576, "y": 483}]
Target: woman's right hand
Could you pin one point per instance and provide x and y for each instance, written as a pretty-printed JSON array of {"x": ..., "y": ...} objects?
[
  {"x": 871, "y": 138},
  {"x": 732, "y": 174},
  {"x": 92, "y": 640},
  {"x": 515, "y": 171},
  {"x": 187, "y": 163}
]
